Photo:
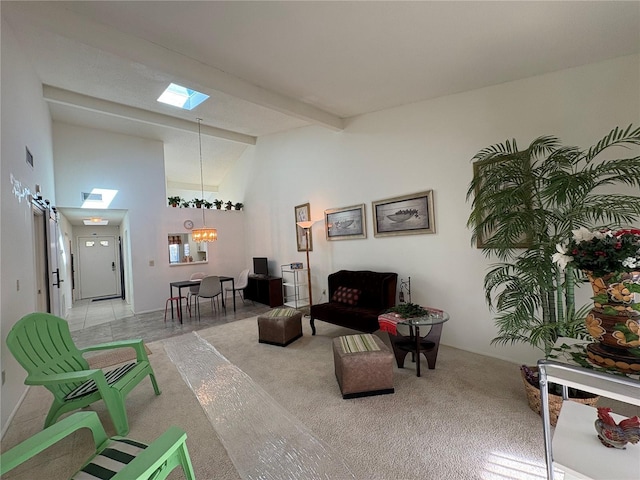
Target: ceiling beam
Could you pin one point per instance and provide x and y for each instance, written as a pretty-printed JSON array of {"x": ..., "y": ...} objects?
[
  {"x": 85, "y": 102},
  {"x": 52, "y": 17}
]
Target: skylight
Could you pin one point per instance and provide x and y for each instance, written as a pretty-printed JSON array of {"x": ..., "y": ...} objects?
[
  {"x": 98, "y": 198},
  {"x": 182, "y": 97}
]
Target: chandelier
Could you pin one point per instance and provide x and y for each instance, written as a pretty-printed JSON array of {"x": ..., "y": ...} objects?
[{"x": 204, "y": 234}]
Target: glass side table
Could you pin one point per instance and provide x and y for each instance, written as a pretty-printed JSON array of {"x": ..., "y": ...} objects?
[{"x": 414, "y": 343}]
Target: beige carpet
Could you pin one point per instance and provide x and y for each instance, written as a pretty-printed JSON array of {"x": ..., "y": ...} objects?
[{"x": 467, "y": 419}]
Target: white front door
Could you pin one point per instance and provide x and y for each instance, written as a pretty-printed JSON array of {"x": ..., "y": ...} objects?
[{"x": 98, "y": 272}]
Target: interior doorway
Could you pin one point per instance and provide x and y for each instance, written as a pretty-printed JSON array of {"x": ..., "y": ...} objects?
[
  {"x": 46, "y": 254},
  {"x": 40, "y": 258}
]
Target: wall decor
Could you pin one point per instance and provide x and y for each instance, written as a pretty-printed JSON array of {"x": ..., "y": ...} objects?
[
  {"x": 345, "y": 223},
  {"x": 406, "y": 215},
  {"x": 303, "y": 214}
]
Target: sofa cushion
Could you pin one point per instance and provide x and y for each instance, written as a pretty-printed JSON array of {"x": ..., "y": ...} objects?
[
  {"x": 346, "y": 295},
  {"x": 357, "y": 318}
]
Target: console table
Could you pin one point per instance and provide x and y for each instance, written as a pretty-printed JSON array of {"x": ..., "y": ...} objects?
[
  {"x": 263, "y": 289},
  {"x": 414, "y": 343}
]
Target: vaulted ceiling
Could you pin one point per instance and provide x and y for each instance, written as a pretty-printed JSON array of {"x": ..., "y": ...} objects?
[{"x": 273, "y": 66}]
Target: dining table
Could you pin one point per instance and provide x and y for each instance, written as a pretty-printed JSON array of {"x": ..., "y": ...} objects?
[{"x": 190, "y": 283}]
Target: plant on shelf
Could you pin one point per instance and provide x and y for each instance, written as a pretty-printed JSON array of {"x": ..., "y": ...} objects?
[
  {"x": 218, "y": 203},
  {"x": 174, "y": 201},
  {"x": 238, "y": 206},
  {"x": 185, "y": 204},
  {"x": 601, "y": 252},
  {"x": 228, "y": 205},
  {"x": 198, "y": 202},
  {"x": 525, "y": 202},
  {"x": 408, "y": 310},
  {"x": 207, "y": 204}
]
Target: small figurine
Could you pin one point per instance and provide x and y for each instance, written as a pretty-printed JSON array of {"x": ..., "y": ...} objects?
[{"x": 614, "y": 435}]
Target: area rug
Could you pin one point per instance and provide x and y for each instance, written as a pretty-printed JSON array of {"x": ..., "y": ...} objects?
[
  {"x": 114, "y": 357},
  {"x": 467, "y": 419}
]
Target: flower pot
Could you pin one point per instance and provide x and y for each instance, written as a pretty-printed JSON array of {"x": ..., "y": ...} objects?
[
  {"x": 614, "y": 322},
  {"x": 555, "y": 401}
]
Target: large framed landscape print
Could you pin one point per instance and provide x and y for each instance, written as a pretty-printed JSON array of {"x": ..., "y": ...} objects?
[
  {"x": 345, "y": 223},
  {"x": 406, "y": 215}
]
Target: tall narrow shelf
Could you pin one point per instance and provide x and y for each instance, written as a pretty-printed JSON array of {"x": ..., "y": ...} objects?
[
  {"x": 573, "y": 447},
  {"x": 295, "y": 290}
]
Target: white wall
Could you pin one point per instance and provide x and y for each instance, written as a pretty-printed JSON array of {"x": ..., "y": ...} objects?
[
  {"x": 417, "y": 147},
  {"x": 135, "y": 167},
  {"x": 25, "y": 122}
]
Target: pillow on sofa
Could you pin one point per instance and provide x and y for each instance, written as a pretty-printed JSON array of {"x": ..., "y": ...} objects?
[{"x": 346, "y": 295}]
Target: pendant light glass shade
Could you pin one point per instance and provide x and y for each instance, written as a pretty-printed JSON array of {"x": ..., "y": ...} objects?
[{"x": 204, "y": 234}]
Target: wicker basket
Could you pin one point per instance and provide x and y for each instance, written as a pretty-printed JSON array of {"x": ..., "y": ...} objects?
[{"x": 555, "y": 401}]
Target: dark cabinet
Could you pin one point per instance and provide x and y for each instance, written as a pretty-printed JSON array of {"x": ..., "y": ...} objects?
[{"x": 267, "y": 290}]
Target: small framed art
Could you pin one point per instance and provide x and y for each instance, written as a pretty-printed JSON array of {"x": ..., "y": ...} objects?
[
  {"x": 345, "y": 223},
  {"x": 303, "y": 214}
]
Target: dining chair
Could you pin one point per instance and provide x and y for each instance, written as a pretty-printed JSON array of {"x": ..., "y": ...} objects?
[
  {"x": 239, "y": 285},
  {"x": 115, "y": 458},
  {"x": 209, "y": 288},
  {"x": 42, "y": 344},
  {"x": 193, "y": 289}
]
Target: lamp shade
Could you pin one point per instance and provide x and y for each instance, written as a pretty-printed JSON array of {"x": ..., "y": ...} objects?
[{"x": 305, "y": 225}]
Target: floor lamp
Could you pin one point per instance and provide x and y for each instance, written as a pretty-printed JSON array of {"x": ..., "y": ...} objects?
[{"x": 306, "y": 226}]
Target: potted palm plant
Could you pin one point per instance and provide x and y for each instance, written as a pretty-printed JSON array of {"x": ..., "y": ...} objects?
[
  {"x": 525, "y": 202},
  {"x": 174, "y": 201}
]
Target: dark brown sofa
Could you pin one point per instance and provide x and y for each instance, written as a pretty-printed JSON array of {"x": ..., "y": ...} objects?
[{"x": 356, "y": 298}]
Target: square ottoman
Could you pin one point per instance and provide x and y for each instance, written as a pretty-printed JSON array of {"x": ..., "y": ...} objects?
[
  {"x": 280, "y": 326},
  {"x": 363, "y": 365}
]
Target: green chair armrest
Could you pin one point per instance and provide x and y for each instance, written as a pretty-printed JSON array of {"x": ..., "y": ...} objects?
[
  {"x": 136, "y": 344},
  {"x": 153, "y": 456},
  {"x": 49, "y": 436},
  {"x": 71, "y": 377}
]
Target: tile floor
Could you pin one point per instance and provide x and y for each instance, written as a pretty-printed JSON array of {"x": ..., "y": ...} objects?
[{"x": 108, "y": 320}]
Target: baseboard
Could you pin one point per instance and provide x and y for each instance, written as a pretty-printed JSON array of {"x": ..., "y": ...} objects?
[{"x": 13, "y": 413}]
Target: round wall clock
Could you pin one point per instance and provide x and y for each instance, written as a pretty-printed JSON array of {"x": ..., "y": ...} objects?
[{"x": 188, "y": 224}]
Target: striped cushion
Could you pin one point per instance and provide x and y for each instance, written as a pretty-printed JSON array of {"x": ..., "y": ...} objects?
[
  {"x": 90, "y": 386},
  {"x": 111, "y": 460},
  {"x": 281, "y": 312},
  {"x": 358, "y": 343}
]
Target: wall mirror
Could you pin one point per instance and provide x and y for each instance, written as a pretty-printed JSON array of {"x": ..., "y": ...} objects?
[{"x": 183, "y": 250}]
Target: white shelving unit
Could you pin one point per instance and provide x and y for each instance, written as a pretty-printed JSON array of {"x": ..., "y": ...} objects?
[
  {"x": 575, "y": 448},
  {"x": 295, "y": 290}
]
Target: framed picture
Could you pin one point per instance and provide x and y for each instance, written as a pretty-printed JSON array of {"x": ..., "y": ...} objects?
[
  {"x": 407, "y": 215},
  {"x": 491, "y": 169},
  {"x": 345, "y": 223},
  {"x": 303, "y": 214}
]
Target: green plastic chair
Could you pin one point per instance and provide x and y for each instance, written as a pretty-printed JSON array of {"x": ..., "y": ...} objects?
[
  {"x": 42, "y": 343},
  {"x": 117, "y": 458}
]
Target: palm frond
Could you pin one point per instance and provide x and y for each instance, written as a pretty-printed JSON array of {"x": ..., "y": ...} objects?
[{"x": 617, "y": 136}]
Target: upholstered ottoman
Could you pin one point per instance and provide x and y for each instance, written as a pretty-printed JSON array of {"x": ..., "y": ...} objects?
[
  {"x": 363, "y": 364},
  {"x": 280, "y": 326}
]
